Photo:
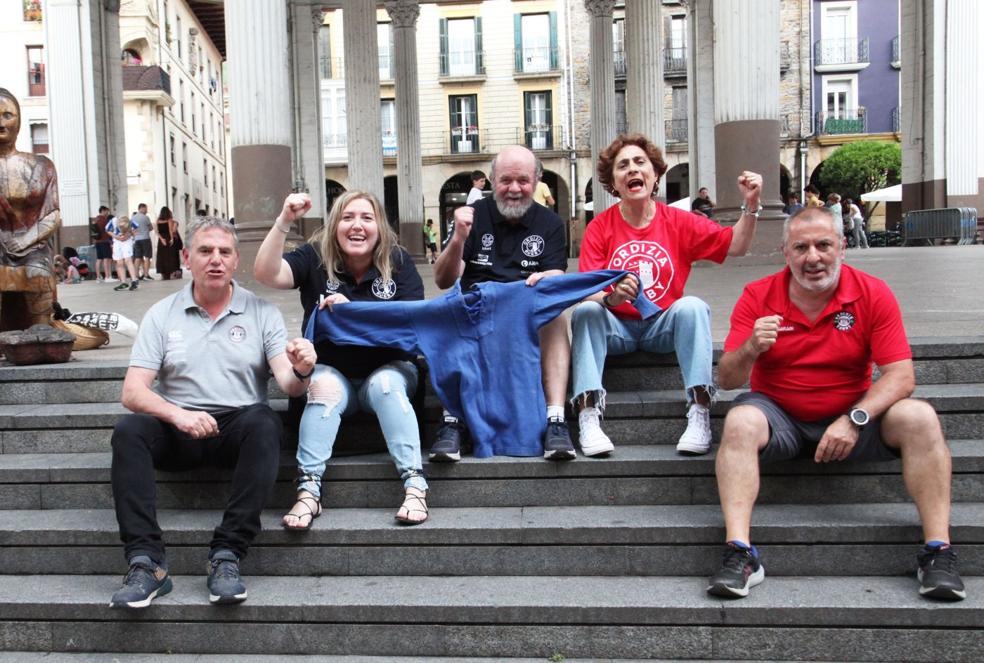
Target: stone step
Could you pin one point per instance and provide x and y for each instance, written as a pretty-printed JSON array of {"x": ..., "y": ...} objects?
[
  {"x": 103, "y": 657},
  {"x": 937, "y": 361},
  {"x": 847, "y": 539},
  {"x": 634, "y": 475},
  {"x": 797, "y": 617},
  {"x": 645, "y": 417}
]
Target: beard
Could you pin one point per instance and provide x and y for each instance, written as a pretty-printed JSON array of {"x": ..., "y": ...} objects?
[
  {"x": 512, "y": 208},
  {"x": 827, "y": 282}
]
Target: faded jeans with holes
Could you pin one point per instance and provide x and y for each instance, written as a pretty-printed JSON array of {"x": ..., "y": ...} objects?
[
  {"x": 386, "y": 393},
  {"x": 684, "y": 328}
]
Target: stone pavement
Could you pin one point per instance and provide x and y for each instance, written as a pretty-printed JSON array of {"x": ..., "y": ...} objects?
[{"x": 938, "y": 289}]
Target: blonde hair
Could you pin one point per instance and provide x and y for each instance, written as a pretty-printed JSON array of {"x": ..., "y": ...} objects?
[
  {"x": 325, "y": 240},
  {"x": 123, "y": 223}
]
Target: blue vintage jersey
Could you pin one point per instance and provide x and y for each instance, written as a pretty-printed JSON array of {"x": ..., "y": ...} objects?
[{"x": 482, "y": 348}]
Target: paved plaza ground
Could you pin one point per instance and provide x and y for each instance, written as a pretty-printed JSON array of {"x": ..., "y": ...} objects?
[{"x": 940, "y": 290}]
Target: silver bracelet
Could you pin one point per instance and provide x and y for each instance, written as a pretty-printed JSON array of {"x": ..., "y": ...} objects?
[
  {"x": 277, "y": 226},
  {"x": 745, "y": 210}
]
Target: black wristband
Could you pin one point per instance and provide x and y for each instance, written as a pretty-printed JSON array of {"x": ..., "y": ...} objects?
[
  {"x": 300, "y": 376},
  {"x": 604, "y": 300}
]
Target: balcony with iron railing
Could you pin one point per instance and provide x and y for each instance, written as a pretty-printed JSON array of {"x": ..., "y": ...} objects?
[
  {"x": 841, "y": 122},
  {"x": 618, "y": 55},
  {"x": 674, "y": 61},
  {"x": 896, "y": 53},
  {"x": 542, "y": 137},
  {"x": 537, "y": 60},
  {"x": 676, "y": 131},
  {"x": 841, "y": 54}
]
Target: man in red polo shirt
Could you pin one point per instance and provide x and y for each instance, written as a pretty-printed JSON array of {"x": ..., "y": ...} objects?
[{"x": 807, "y": 337}]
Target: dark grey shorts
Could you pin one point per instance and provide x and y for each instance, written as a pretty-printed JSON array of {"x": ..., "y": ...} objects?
[
  {"x": 142, "y": 248},
  {"x": 790, "y": 438}
]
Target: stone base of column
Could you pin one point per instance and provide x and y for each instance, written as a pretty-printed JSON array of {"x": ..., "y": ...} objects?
[
  {"x": 412, "y": 238},
  {"x": 261, "y": 179},
  {"x": 750, "y": 145}
]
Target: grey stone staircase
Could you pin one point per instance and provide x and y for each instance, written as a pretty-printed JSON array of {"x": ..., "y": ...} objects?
[{"x": 597, "y": 559}]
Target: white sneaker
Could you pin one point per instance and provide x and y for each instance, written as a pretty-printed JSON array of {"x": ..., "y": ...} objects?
[
  {"x": 696, "y": 440},
  {"x": 593, "y": 440}
]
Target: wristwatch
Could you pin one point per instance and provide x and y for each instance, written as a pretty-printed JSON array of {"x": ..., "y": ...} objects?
[{"x": 859, "y": 417}]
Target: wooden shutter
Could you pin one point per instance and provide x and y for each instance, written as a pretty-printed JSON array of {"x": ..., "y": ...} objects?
[
  {"x": 554, "y": 51},
  {"x": 518, "y": 35},
  {"x": 479, "y": 61}
]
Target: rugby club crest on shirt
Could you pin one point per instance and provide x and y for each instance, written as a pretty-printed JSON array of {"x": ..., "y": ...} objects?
[
  {"x": 843, "y": 321},
  {"x": 383, "y": 289},
  {"x": 237, "y": 334},
  {"x": 650, "y": 261},
  {"x": 533, "y": 246},
  {"x": 487, "y": 240}
]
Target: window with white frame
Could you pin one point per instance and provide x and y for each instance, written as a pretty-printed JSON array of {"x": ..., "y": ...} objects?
[
  {"x": 840, "y": 97},
  {"x": 536, "y": 42},
  {"x": 538, "y": 116},
  {"x": 333, "y": 127},
  {"x": 385, "y": 51},
  {"x": 387, "y": 117},
  {"x": 839, "y": 32},
  {"x": 461, "y": 47},
  {"x": 464, "y": 123},
  {"x": 39, "y": 138}
]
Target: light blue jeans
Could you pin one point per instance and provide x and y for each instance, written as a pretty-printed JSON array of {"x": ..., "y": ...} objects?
[
  {"x": 386, "y": 393},
  {"x": 684, "y": 328}
]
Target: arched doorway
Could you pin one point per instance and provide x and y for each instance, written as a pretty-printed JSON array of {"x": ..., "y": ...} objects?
[
  {"x": 454, "y": 193},
  {"x": 588, "y": 202},
  {"x": 815, "y": 181},
  {"x": 785, "y": 180},
  {"x": 391, "y": 202},
  {"x": 332, "y": 191},
  {"x": 676, "y": 182}
]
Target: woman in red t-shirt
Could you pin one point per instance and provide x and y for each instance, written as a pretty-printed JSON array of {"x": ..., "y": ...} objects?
[{"x": 659, "y": 243}]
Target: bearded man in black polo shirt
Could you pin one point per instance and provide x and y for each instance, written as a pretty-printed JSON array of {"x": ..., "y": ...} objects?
[{"x": 505, "y": 238}]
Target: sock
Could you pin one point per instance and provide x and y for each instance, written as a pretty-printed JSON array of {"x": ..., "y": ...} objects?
[
  {"x": 936, "y": 544},
  {"x": 555, "y": 413},
  {"x": 740, "y": 544}
]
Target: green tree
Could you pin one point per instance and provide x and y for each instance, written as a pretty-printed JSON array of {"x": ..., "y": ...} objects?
[{"x": 861, "y": 167}]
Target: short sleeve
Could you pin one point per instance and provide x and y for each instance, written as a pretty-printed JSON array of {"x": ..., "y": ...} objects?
[
  {"x": 593, "y": 252},
  {"x": 889, "y": 342},
  {"x": 148, "y": 348},
  {"x": 301, "y": 261},
  {"x": 409, "y": 285},
  {"x": 708, "y": 239},
  {"x": 743, "y": 318},
  {"x": 274, "y": 330},
  {"x": 555, "y": 249}
]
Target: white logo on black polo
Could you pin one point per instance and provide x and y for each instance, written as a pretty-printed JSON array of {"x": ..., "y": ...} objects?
[
  {"x": 331, "y": 287},
  {"x": 843, "y": 321},
  {"x": 383, "y": 289},
  {"x": 533, "y": 246},
  {"x": 487, "y": 240}
]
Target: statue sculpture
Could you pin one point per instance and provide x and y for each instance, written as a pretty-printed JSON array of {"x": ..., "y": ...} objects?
[{"x": 29, "y": 218}]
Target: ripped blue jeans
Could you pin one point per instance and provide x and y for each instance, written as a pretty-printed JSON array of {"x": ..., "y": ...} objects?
[{"x": 386, "y": 393}]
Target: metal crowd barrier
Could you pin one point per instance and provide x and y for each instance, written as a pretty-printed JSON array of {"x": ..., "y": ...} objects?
[{"x": 952, "y": 222}]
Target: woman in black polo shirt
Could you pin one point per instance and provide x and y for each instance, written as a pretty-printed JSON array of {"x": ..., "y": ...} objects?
[{"x": 353, "y": 257}]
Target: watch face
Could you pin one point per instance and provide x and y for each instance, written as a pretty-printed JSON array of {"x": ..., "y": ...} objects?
[{"x": 859, "y": 417}]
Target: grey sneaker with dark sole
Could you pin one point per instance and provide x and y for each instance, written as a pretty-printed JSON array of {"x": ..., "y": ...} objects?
[
  {"x": 224, "y": 583},
  {"x": 144, "y": 582}
]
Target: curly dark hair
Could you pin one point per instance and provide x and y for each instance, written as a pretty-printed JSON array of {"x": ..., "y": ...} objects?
[{"x": 606, "y": 159}]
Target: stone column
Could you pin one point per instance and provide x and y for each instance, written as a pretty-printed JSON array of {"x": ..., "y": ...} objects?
[
  {"x": 941, "y": 142},
  {"x": 365, "y": 131},
  {"x": 261, "y": 120},
  {"x": 746, "y": 112},
  {"x": 700, "y": 97},
  {"x": 602, "y": 78},
  {"x": 408, "y": 163},
  {"x": 85, "y": 97},
  {"x": 310, "y": 154},
  {"x": 644, "y": 70}
]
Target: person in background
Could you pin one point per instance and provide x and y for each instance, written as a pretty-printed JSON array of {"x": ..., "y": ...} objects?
[
  {"x": 793, "y": 204},
  {"x": 478, "y": 185},
  {"x": 703, "y": 203},
  {"x": 122, "y": 233},
  {"x": 168, "y": 245},
  {"x": 103, "y": 242},
  {"x": 143, "y": 249},
  {"x": 857, "y": 224},
  {"x": 430, "y": 240},
  {"x": 542, "y": 195}
]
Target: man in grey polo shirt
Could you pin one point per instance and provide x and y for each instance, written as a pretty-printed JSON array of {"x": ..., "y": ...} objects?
[
  {"x": 212, "y": 347},
  {"x": 142, "y": 246}
]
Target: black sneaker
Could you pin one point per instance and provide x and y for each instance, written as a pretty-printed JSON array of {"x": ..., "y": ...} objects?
[
  {"x": 144, "y": 582},
  {"x": 133, "y": 285},
  {"x": 447, "y": 445},
  {"x": 224, "y": 584},
  {"x": 121, "y": 287},
  {"x": 740, "y": 571},
  {"x": 937, "y": 574},
  {"x": 557, "y": 443}
]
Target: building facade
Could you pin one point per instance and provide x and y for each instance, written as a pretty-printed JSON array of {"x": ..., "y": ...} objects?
[{"x": 23, "y": 55}]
